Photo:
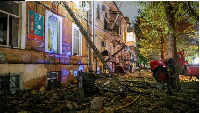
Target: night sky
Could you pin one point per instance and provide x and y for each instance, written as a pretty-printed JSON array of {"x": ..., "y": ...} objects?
[{"x": 126, "y": 7}]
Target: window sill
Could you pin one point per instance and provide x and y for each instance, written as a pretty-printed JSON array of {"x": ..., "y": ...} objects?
[
  {"x": 53, "y": 53},
  {"x": 76, "y": 55},
  {"x": 4, "y": 46}
]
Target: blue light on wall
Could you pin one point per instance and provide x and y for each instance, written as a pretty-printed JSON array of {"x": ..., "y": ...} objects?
[
  {"x": 75, "y": 73},
  {"x": 81, "y": 67},
  {"x": 64, "y": 73}
]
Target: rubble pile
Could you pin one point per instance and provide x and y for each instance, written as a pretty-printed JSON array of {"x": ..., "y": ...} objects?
[{"x": 108, "y": 98}]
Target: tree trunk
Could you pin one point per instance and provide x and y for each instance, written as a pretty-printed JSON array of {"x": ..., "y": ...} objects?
[
  {"x": 170, "y": 16},
  {"x": 163, "y": 48}
]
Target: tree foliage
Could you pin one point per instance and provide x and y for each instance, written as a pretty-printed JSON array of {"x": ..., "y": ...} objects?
[
  {"x": 151, "y": 24},
  {"x": 142, "y": 59}
]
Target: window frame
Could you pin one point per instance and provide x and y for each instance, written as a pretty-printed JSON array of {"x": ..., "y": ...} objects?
[
  {"x": 47, "y": 15},
  {"x": 77, "y": 3},
  {"x": 19, "y": 81},
  {"x": 52, "y": 81},
  {"x": 74, "y": 26},
  {"x": 21, "y": 27}
]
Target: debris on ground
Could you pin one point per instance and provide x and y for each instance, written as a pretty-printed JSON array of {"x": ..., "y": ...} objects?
[{"x": 108, "y": 97}]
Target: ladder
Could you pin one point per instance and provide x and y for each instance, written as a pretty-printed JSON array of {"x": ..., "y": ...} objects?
[{"x": 84, "y": 33}]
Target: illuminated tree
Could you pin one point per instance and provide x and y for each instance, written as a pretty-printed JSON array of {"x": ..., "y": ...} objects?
[{"x": 175, "y": 21}]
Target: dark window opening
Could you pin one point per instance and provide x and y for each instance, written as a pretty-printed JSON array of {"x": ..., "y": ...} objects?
[
  {"x": 10, "y": 7},
  {"x": 53, "y": 80},
  {"x": 98, "y": 11},
  {"x": 3, "y": 28},
  {"x": 9, "y": 23},
  {"x": 119, "y": 24},
  {"x": 106, "y": 15},
  {"x": 83, "y": 4},
  {"x": 12, "y": 84},
  {"x": 105, "y": 24}
]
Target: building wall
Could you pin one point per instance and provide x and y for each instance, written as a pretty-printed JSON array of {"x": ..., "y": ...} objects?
[
  {"x": 34, "y": 75},
  {"x": 132, "y": 43},
  {"x": 40, "y": 7},
  {"x": 104, "y": 34},
  {"x": 36, "y": 60}
]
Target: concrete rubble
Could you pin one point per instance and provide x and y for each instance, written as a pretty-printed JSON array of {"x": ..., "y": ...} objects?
[{"x": 107, "y": 98}]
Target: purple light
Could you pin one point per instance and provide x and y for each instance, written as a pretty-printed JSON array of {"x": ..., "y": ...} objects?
[
  {"x": 81, "y": 67},
  {"x": 64, "y": 74}
]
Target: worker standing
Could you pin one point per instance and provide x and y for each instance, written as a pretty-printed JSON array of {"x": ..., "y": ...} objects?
[{"x": 132, "y": 67}]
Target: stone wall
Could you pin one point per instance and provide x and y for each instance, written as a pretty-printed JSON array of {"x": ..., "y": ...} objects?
[
  {"x": 16, "y": 56},
  {"x": 35, "y": 75}
]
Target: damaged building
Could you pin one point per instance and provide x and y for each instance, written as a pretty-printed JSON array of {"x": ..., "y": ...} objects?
[{"x": 41, "y": 46}]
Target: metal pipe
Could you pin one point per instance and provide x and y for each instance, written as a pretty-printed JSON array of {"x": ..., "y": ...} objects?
[
  {"x": 88, "y": 35},
  {"x": 92, "y": 5},
  {"x": 96, "y": 64}
]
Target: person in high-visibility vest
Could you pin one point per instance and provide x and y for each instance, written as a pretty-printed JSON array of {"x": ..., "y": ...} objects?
[{"x": 132, "y": 67}]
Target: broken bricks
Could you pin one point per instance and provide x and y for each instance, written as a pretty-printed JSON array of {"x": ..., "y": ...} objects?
[
  {"x": 96, "y": 103},
  {"x": 64, "y": 99}
]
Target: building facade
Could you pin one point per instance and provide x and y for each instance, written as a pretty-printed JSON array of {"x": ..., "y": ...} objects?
[
  {"x": 110, "y": 33},
  {"x": 40, "y": 42},
  {"x": 132, "y": 44}
]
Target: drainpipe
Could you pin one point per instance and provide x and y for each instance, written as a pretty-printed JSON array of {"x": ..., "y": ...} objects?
[
  {"x": 88, "y": 35},
  {"x": 92, "y": 5}
]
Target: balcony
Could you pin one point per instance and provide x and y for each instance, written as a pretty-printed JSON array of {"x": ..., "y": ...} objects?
[{"x": 113, "y": 28}]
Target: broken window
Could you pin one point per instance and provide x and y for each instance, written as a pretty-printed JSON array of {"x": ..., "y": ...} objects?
[
  {"x": 98, "y": 11},
  {"x": 9, "y": 23},
  {"x": 76, "y": 40}
]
